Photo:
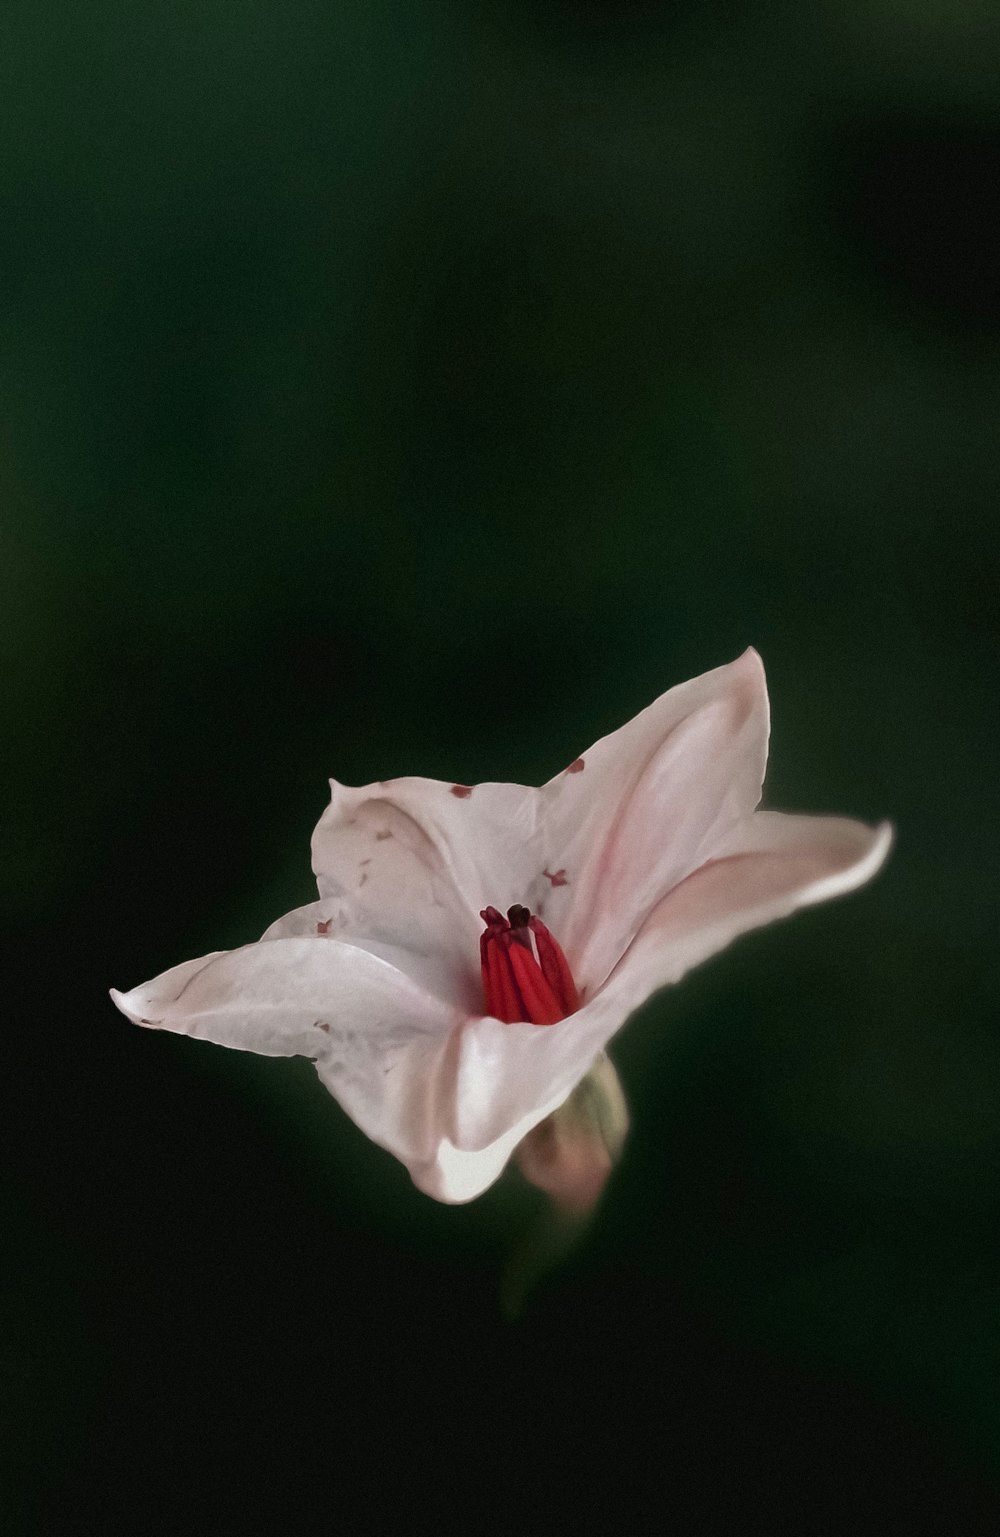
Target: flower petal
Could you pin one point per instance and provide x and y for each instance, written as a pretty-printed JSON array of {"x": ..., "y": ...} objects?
[
  {"x": 381, "y": 1043},
  {"x": 767, "y": 866},
  {"x": 430, "y": 968},
  {"x": 455, "y": 1175},
  {"x": 410, "y": 863},
  {"x": 383, "y": 1048},
  {"x": 639, "y": 811}
]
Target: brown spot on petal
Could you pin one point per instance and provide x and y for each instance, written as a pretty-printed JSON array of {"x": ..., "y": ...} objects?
[
  {"x": 576, "y": 767},
  {"x": 461, "y": 792},
  {"x": 362, "y": 863},
  {"x": 382, "y": 834},
  {"x": 321, "y": 1024},
  {"x": 364, "y": 877},
  {"x": 153, "y": 1022},
  {"x": 558, "y": 878},
  {"x": 324, "y": 926}
]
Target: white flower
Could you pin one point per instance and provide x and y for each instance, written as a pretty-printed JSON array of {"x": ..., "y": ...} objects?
[{"x": 641, "y": 859}]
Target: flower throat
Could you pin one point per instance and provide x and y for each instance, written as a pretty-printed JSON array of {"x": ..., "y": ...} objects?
[{"x": 525, "y": 974}]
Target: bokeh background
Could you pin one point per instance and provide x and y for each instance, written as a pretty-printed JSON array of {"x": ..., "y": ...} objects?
[{"x": 422, "y": 388}]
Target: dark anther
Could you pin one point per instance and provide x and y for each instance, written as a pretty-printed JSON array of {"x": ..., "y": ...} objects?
[{"x": 517, "y": 917}]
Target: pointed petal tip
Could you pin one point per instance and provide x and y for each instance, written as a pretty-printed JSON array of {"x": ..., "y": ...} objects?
[
  {"x": 121, "y": 1002},
  {"x": 883, "y": 838},
  {"x": 751, "y": 662},
  {"x": 744, "y": 675},
  {"x": 871, "y": 846},
  {"x": 871, "y": 853}
]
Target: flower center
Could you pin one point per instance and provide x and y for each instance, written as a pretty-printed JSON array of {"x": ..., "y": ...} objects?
[{"x": 525, "y": 974}]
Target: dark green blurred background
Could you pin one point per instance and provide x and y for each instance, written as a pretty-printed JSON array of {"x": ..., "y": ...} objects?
[{"x": 423, "y": 388}]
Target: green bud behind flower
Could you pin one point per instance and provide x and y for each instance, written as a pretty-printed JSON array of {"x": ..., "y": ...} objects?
[{"x": 572, "y": 1152}]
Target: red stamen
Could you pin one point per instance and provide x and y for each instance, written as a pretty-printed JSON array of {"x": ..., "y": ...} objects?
[
  {"x": 507, "y": 1003},
  {"x": 485, "y": 942},
  {"x": 555, "y": 967},
  {"x": 539, "y": 999},
  {"x": 525, "y": 974}
]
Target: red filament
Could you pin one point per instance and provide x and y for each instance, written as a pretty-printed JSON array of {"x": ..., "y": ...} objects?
[{"x": 525, "y": 974}]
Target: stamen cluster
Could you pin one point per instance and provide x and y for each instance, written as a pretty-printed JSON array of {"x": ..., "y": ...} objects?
[{"x": 525, "y": 974}]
